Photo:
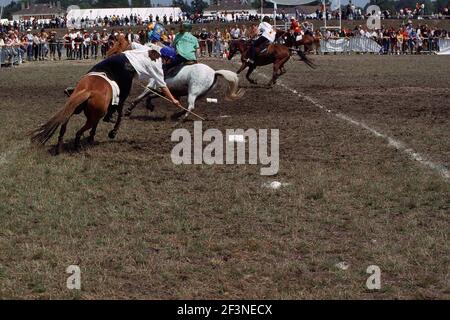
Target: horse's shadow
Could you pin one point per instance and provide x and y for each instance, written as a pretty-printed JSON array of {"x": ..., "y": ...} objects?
[
  {"x": 70, "y": 149},
  {"x": 148, "y": 118},
  {"x": 255, "y": 86}
]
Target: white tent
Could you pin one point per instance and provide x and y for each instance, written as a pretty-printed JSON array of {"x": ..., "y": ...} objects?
[
  {"x": 144, "y": 13},
  {"x": 335, "y": 5},
  {"x": 292, "y": 2}
]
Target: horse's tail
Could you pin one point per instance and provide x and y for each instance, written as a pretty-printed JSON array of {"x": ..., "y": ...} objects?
[
  {"x": 233, "y": 92},
  {"x": 306, "y": 60},
  {"x": 46, "y": 131}
]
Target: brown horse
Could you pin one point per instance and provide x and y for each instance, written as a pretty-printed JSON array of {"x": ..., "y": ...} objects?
[
  {"x": 120, "y": 45},
  {"x": 309, "y": 42},
  {"x": 93, "y": 96},
  {"x": 276, "y": 53}
]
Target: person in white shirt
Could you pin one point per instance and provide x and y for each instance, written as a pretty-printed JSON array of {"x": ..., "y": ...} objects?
[
  {"x": 235, "y": 32},
  {"x": 86, "y": 45},
  {"x": 267, "y": 36}
]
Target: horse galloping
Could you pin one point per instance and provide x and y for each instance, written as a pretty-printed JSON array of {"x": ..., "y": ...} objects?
[
  {"x": 275, "y": 53},
  {"x": 308, "y": 41}
]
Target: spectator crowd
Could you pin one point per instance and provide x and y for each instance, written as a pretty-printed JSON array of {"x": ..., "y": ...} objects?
[{"x": 17, "y": 47}]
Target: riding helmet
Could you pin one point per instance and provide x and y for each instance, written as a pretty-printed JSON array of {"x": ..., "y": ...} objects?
[
  {"x": 168, "y": 52},
  {"x": 187, "y": 26}
]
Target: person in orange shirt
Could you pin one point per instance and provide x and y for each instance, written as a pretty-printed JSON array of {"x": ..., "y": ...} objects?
[
  {"x": 399, "y": 46},
  {"x": 294, "y": 24}
]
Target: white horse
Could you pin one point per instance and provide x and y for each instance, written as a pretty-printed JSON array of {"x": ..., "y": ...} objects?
[{"x": 195, "y": 81}]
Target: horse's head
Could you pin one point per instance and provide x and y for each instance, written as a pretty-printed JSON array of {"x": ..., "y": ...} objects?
[{"x": 120, "y": 45}]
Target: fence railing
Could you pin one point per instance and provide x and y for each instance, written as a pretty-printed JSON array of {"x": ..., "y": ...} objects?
[
  {"x": 383, "y": 46},
  {"x": 12, "y": 56},
  {"x": 347, "y": 45}
]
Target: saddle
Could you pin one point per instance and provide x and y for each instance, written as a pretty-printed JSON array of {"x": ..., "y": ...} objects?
[
  {"x": 173, "y": 71},
  {"x": 261, "y": 51}
]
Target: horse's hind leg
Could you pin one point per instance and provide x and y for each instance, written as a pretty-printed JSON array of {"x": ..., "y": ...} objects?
[
  {"x": 112, "y": 134},
  {"x": 80, "y": 132},
  {"x": 109, "y": 114},
  {"x": 62, "y": 131},
  {"x": 92, "y": 133}
]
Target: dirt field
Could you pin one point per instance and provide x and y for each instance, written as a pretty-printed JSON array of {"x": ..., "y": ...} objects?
[{"x": 364, "y": 150}]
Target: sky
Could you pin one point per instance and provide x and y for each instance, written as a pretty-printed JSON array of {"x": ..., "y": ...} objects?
[{"x": 343, "y": 2}]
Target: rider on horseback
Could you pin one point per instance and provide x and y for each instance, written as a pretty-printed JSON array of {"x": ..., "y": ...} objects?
[
  {"x": 186, "y": 45},
  {"x": 294, "y": 25},
  {"x": 266, "y": 37}
]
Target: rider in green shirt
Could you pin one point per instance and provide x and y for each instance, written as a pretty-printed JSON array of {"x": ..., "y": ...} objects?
[{"x": 186, "y": 44}]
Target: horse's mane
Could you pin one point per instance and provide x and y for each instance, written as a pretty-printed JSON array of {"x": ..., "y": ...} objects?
[{"x": 120, "y": 45}]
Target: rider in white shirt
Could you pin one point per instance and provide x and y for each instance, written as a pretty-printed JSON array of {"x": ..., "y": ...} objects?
[{"x": 267, "y": 36}]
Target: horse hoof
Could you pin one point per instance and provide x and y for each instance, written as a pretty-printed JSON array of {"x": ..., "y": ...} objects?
[
  {"x": 127, "y": 113},
  {"x": 108, "y": 119},
  {"x": 57, "y": 150},
  {"x": 150, "y": 108},
  {"x": 112, "y": 134}
]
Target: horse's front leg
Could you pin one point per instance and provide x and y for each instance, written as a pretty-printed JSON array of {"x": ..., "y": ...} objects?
[
  {"x": 191, "y": 104},
  {"x": 283, "y": 62},
  {"x": 181, "y": 116},
  {"x": 249, "y": 72},
  {"x": 136, "y": 101},
  {"x": 275, "y": 74},
  {"x": 242, "y": 68}
]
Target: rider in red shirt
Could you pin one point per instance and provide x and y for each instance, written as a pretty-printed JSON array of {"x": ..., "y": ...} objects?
[{"x": 294, "y": 24}]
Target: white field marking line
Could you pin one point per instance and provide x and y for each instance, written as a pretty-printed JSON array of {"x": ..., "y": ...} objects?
[{"x": 413, "y": 155}]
